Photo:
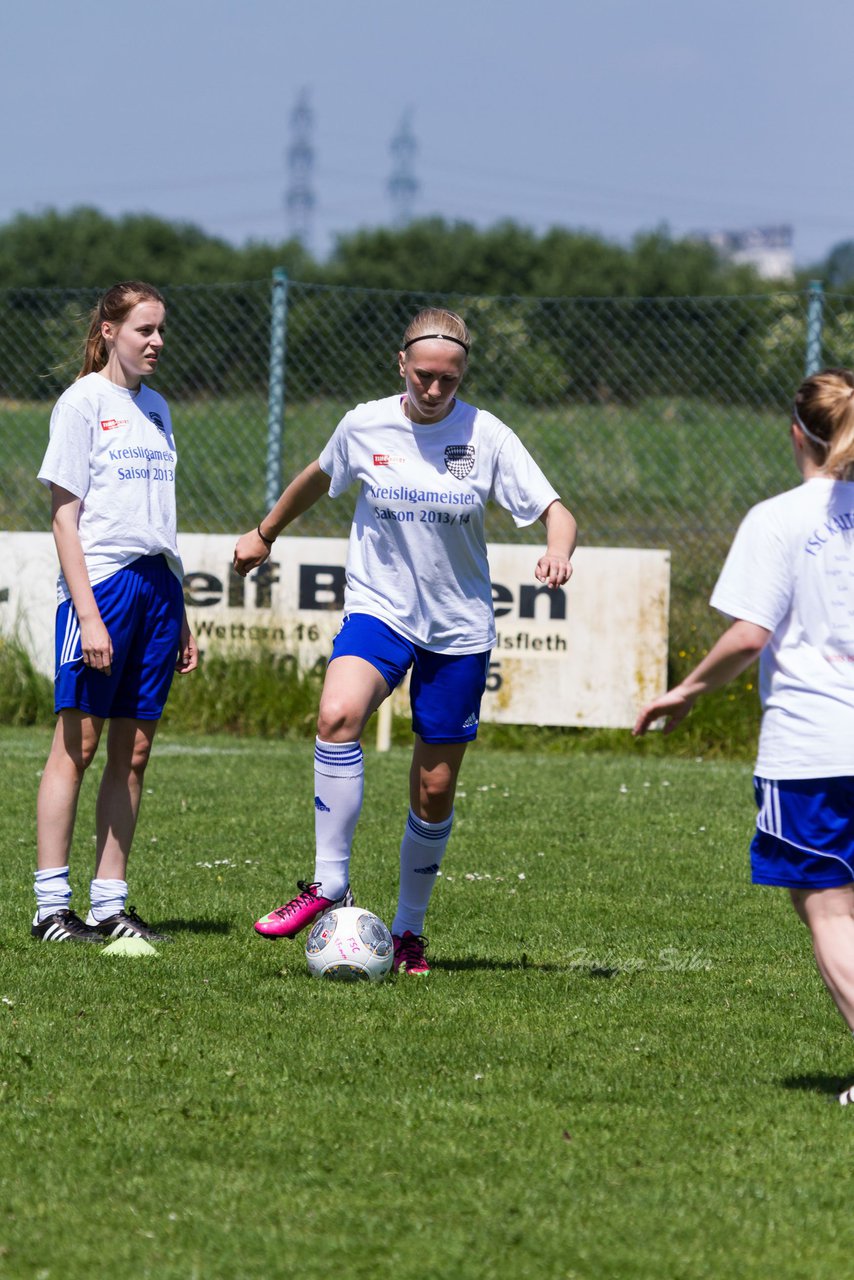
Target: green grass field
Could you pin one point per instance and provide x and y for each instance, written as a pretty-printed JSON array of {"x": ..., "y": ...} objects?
[{"x": 622, "y": 1065}]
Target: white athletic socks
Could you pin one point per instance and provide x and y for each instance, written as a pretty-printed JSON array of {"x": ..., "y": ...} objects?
[
  {"x": 339, "y": 785},
  {"x": 107, "y": 898},
  {"x": 53, "y": 892},
  {"x": 421, "y": 852}
]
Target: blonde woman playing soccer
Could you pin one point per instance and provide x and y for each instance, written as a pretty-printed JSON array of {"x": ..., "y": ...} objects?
[
  {"x": 418, "y": 595},
  {"x": 788, "y": 585}
]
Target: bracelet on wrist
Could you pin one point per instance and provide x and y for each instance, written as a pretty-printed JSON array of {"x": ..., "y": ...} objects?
[{"x": 268, "y": 542}]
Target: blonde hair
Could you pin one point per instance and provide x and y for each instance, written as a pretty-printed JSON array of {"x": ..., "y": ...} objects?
[
  {"x": 434, "y": 322},
  {"x": 824, "y": 409},
  {"x": 114, "y": 306}
]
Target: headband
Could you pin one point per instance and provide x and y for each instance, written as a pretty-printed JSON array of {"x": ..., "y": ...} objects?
[
  {"x": 810, "y": 435},
  {"x": 446, "y": 337}
]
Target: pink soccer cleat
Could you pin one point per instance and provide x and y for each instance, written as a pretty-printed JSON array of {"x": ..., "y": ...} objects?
[
  {"x": 301, "y": 911},
  {"x": 409, "y": 953}
]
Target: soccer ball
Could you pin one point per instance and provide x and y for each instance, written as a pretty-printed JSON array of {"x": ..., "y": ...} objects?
[{"x": 351, "y": 945}]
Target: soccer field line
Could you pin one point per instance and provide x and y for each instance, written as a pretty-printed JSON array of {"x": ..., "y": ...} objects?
[{"x": 38, "y": 750}]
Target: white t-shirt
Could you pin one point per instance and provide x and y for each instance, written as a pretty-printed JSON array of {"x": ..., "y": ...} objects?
[
  {"x": 417, "y": 554},
  {"x": 114, "y": 449},
  {"x": 791, "y": 570}
]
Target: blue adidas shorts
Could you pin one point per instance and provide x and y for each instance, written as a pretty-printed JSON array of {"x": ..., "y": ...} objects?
[
  {"x": 804, "y": 833},
  {"x": 142, "y": 607},
  {"x": 446, "y": 689}
]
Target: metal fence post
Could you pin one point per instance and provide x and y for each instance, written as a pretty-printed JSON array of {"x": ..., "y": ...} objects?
[
  {"x": 276, "y": 392},
  {"x": 815, "y": 316}
]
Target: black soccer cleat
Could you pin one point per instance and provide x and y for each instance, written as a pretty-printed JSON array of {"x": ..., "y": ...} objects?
[
  {"x": 126, "y": 924},
  {"x": 64, "y": 926}
]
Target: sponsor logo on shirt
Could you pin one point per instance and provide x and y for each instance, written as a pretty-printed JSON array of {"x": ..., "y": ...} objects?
[
  {"x": 386, "y": 459},
  {"x": 110, "y": 424},
  {"x": 158, "y": 421},
  {"x": 459, "y": 459}
]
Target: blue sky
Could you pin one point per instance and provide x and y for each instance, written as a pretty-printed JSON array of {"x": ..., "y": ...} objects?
[{"x": 606, "y": 115}]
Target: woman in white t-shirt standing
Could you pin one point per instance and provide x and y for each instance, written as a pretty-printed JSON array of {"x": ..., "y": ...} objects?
[
  {"x": 788, "y": 583},
  {"x": 418, "y": 595},
  {"x": 121, "y": 627}
]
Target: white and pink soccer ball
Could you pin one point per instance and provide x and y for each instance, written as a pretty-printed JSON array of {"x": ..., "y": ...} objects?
[{"x": 349, "y": 944}]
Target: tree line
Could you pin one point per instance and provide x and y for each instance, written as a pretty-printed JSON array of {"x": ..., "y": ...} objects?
[
  {"x": 84, "y": 248},
  {"x": 590, "y": 320}
]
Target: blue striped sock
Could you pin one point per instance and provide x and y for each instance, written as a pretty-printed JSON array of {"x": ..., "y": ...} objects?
[
  {"x": 421, "y": 852},
  {"x": 339, "y": 785}
]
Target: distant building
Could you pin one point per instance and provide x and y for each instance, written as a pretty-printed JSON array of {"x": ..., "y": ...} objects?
[{"x": 768, "y": 249}]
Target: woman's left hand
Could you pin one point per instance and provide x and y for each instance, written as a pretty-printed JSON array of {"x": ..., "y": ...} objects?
[
  {"x": 188, "y": 652},
  {"x": 553, "y": 570}
]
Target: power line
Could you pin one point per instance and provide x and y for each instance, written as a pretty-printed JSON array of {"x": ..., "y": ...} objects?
[
  {"x": 299, "y": 199},
  {"x": 403, "y": 184}
]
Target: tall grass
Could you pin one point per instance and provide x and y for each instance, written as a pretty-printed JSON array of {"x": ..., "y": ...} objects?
[
  {"x": 264, "y": 696},
  {"x": 26, "y": 696},
  {"x": 261, "y": 694}
]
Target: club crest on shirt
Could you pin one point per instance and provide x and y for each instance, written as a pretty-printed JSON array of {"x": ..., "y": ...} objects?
[
  {"x": 158, "y": 421},
  {"x": 459, "y": 459}
]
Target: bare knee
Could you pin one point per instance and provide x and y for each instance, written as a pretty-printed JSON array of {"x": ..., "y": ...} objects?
[
  {"x": 74, "y": 746},
  {"x": 436, "y": 792},
  {"x": 338, "y": 720},
  {"x": 129, "y": 748},
  {"x": 139, "y": 758},
  {"x": 824, "y": 909},
  {"x": 438, "y": 783}
]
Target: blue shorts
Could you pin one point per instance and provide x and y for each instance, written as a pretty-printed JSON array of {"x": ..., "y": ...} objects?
[
  {"x": 142, "y": 607},
  {"x": 804, "y": 833},
  {"x": 446, "y": 689}
]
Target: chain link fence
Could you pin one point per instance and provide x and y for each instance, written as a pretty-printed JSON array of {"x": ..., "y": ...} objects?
[{"x": 659, "y": 420}]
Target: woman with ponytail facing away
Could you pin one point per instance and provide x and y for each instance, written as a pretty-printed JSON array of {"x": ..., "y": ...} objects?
[{"x": 788, "y": 586}]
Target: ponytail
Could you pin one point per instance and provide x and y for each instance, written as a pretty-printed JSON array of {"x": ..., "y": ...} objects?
[{"x": 824, "y": 409}]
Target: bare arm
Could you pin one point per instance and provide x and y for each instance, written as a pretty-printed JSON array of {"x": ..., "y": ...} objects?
[
  {"x": 94, "y": 638},
  {"x": 302, "y": 493},
  {"x": 554, "y": 567},
  {"x": 731, "y": 654}
]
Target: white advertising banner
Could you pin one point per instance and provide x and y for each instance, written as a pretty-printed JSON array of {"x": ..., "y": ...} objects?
[{"x": 589, "y": 654}]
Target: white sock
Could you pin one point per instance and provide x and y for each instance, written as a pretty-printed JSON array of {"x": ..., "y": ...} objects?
[
  {"x": 421, "y": 852},
  {"x": 339, "y": 785},
  {"x": 107, "y": 898},
  {"x": 53, "y": 892}
]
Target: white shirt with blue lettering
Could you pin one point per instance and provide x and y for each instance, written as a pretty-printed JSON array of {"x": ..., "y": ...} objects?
[
  {"x": 114, "y": 449},
  {"x": 791, "y": 570},
  {"x": 417, "y": 554}
]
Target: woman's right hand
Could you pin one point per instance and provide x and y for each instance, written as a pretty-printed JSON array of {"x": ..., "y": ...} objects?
[{"x": 250, "y": 551}]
